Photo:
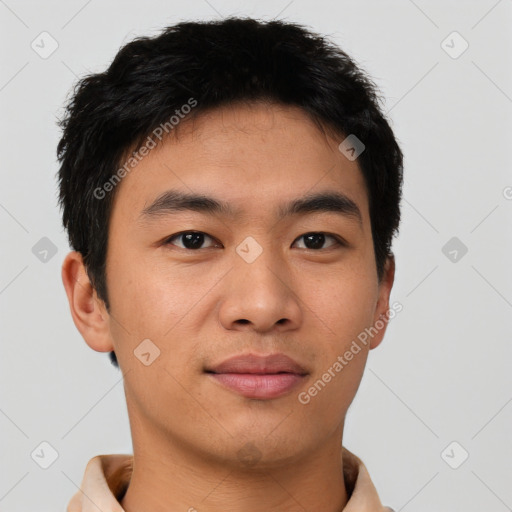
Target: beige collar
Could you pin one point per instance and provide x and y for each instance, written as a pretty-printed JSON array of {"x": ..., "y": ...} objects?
[{"x": 106, "y": 478}]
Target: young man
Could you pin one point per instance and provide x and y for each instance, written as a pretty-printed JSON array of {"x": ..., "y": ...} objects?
[{"x": 231, "y": 190}]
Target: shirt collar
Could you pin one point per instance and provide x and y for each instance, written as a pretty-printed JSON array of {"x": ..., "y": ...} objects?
[{"x": 106, "y": 479}]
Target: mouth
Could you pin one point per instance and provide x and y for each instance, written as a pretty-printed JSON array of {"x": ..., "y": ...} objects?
[{"x": 259, "y": 377}]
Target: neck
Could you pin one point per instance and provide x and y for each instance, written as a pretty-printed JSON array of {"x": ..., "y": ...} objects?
[{"x": 168, "y": 477}]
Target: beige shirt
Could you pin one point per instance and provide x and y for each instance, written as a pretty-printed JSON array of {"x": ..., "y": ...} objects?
[{"x": 106, "y": 479}]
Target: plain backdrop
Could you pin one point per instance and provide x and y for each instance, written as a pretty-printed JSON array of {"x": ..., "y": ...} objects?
[{"x": 439, "y": 387}]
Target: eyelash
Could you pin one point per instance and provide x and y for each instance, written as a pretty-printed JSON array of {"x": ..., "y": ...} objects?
[{"x": 338, "y": 240}]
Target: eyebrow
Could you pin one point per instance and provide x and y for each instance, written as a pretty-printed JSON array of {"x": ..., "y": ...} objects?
[{"x": 173, "y": 201}]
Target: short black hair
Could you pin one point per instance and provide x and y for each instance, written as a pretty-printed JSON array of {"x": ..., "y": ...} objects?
[{"x": 207, "y": 65}]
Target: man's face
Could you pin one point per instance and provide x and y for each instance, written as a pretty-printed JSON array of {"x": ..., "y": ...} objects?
[{"x": 249, "y": 283}]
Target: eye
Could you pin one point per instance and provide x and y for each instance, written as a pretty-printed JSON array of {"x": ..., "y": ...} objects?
[
  {"x": 192, "y": 240},
  {"x": 316, "y": 240}
]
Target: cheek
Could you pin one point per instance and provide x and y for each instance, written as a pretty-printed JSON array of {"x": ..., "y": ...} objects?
[
  {"x": 342, "y": 310},
  {"x": 333, "y": 390},
  {"x": 156, "y": 303},
  {"x": 142, "y": 296},
  {"x": 343, "y": 306}
]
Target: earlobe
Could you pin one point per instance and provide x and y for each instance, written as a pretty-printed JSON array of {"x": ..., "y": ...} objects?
[
  {"x": 88, "y": 311},
  {"x": 381, "y": 316}
]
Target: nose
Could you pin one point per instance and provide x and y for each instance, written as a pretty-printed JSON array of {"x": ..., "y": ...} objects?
[{"x": 260, "y": 296}]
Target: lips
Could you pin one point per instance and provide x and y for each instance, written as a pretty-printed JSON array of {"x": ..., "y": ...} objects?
[
  {"x": 251, "y": 363},
  {"x": 259, "y": 377}
]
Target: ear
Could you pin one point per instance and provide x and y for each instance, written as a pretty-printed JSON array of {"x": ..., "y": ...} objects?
[
  {"x": 88, "y": 311},
  {"x": 381, "y": 316}
]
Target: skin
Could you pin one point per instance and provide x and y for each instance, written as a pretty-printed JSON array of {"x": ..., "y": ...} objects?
[{"x": 202, "y": 306}]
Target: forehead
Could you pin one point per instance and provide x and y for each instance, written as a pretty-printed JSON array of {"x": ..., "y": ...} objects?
[{"x": 252, "y": 157}]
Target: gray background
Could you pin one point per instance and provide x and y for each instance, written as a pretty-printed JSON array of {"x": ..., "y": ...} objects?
[{"x": 443, "y": 372}]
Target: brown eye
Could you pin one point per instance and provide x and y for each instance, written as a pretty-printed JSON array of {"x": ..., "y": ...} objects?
[
  {"x": 192, "y": 240},
  {"x": 316, "y": 240}
]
